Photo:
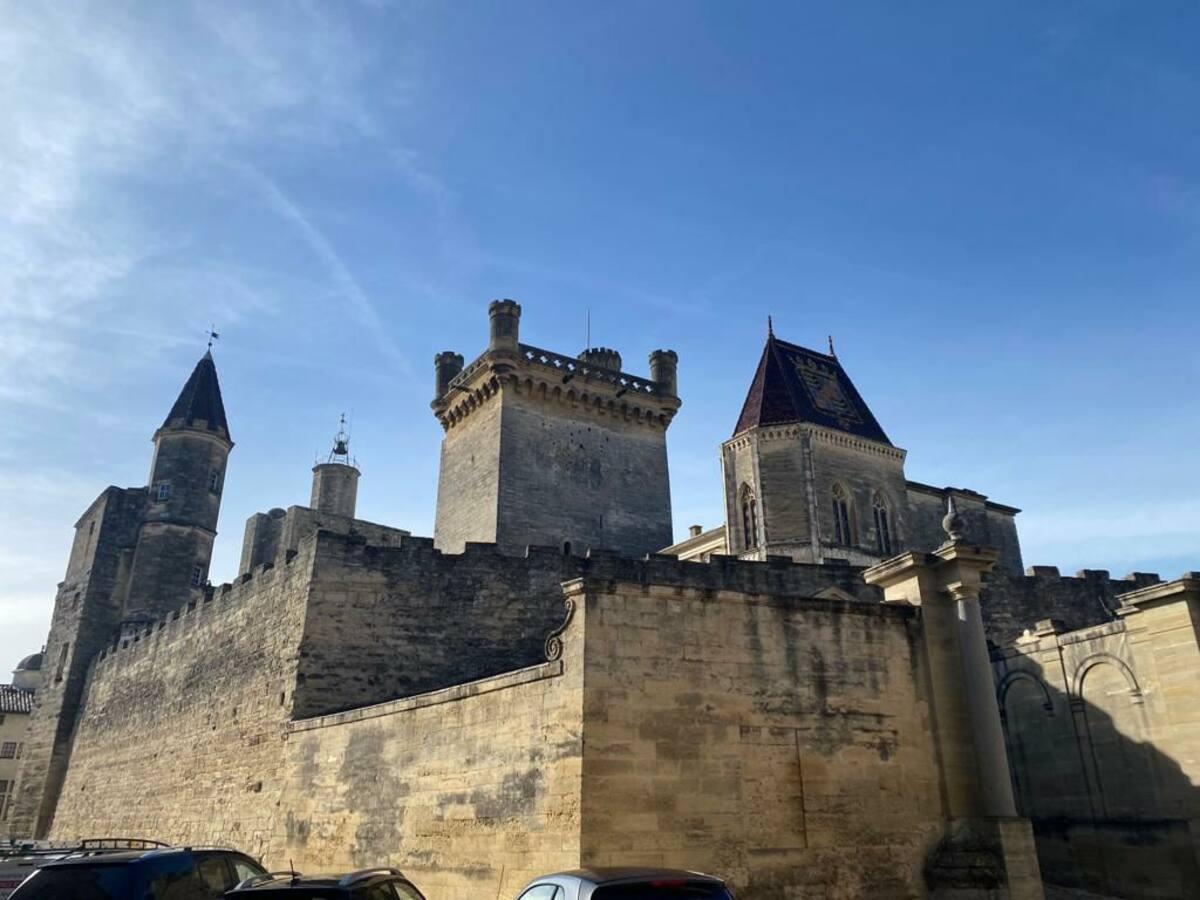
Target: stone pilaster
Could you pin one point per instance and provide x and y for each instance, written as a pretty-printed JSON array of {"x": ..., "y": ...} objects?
[{"x": 986, "y": 847}]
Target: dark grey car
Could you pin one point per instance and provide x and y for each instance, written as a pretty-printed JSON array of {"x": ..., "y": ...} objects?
[{"x": 626, "y": 884}]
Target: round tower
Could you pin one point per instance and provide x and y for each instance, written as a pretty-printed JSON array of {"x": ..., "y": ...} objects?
[
  {"x": 335, "y": 481},
  {"x": 187, "y": 479}
]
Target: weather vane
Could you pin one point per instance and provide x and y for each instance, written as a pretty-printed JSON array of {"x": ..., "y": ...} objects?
[{"x": 212, "y": 335}]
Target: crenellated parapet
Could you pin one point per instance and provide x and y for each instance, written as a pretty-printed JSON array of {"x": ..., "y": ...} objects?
[{"x": 548, "y": 377}]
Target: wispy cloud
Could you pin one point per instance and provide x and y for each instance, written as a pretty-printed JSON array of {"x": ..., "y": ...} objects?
[
  {"x": 109, "y": 107},
  {"x": 347, "y": 285}
]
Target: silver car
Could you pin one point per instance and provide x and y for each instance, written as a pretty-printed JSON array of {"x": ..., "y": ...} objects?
[{"x": 626, "y": 884}]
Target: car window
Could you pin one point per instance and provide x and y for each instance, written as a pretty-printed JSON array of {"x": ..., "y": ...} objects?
[
  {"x": 380, "y": 891},
  {"x": 216, "y": 874},
  {"x": 406, "y": 891},
  {"x": 667, "y": 889},
  {"x": 76, "y": 882},
  {"x": 543, "y": 892},
  {"x": 243, "y": 869}
]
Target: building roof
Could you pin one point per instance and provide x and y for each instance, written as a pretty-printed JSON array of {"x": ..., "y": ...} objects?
[
  {"x": 31, "y": 663},
  {"x": 15, "y": 700},
  {"x": 200, "y": 399},
  {"x": 795, "y": 384}
]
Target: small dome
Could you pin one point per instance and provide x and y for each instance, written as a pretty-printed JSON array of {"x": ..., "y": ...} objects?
[{"x": 31, "y": 663}]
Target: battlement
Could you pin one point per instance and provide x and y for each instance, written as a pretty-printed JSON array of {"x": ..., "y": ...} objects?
[
  {"x": 776, "y": 575},
  {"x": 1014, "y": 605},
  {"x": 141, "y": 637},
  {"x": 582, "y": 382}
]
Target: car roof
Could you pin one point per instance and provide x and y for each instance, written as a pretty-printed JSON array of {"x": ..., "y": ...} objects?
[
  {"x": 611, "y": 874},
  {"x": 114, "y": 857},
  {"x": 282, "y": 881}
]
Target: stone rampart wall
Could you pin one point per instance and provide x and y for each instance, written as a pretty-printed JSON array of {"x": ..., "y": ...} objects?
[
  {"x": 179, "y": 736},
  {"x": 1014, "y": 603},
  {"x": 393, "y": 621},
  {"x": 470, "y": 791},
  {"x": 783, "y": 743}
]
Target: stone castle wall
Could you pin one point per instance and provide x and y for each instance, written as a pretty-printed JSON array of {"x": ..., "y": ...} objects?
[
  {"x": 1103, "y": 732},
  {"x": 1014, "y": 603},
  {"x": 179, "y": 736},
  {"x": 87, "y": 610},
  {"x": 470, "y": 790},
  {"x": 785, "y": 743}
]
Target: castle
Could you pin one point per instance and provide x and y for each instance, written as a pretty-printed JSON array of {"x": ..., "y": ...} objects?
[{"x": 851, "y": 688}]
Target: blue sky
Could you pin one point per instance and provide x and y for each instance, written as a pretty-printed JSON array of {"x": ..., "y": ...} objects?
[{"x": 994, "y": 208}]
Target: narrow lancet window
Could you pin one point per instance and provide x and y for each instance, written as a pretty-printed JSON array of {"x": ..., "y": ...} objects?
[
  {"x": 842, "y": 532},
  {"x": 749, "y": 518},
  {"x": 883, "y": 526}
]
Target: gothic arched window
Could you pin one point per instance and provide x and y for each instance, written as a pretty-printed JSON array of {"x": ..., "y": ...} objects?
[
  {"x": 883, "y": 526},
  {"x": 843, "y": 533},
  {"x": 749, "y": 517}
]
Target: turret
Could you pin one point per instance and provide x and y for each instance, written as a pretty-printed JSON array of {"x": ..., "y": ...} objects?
[
  {"x": 602, "y": 357},
  {"x": 663, "y": 369},
  {"x": 335, "y": 481},
  {"x": 505, "y": 318},
  {"x": 187, "y": 479},
  {"x": 446, "y": 365}
]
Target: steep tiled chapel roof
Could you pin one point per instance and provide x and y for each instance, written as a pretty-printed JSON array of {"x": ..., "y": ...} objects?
[
  {"x": 200, "y": 399},
  {"x": 795, "y": 384},
  {"x": 14, "y": 700}
]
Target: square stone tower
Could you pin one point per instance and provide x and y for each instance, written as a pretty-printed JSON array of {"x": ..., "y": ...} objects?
[{"x": 552, "y": 450}]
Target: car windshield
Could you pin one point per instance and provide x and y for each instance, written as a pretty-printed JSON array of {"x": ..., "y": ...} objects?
[
  {"x": 666, "y": 889},
  {"x": 77, "y": 882}
]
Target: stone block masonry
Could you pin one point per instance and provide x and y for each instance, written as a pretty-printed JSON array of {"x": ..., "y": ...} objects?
[{"x": 784, "y": 743}]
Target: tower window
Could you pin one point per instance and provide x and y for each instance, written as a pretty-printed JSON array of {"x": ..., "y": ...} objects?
[
  {"x": 214, "y": 482},
  {"x": 8, "y": 750},
  {"x": 883, "y": 526},
  {"x": 197, "y": 575},
  {"x": 843, "y": 532},
  {"x": 749, "y": 517},
  {"x": 164, "y": 491}
]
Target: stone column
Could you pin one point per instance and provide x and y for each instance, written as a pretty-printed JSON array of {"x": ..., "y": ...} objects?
[{"x": 986, "y": 847}]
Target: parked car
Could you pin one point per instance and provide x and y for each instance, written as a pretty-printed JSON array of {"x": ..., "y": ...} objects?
[
  {"x": 164, "y": 873},
  {"x": 368, "y": 884},
  {"x": 18, "y": 859},
  {"x": 626, "y": 884}
]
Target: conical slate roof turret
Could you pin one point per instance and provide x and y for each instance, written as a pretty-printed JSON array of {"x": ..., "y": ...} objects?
[
  {"x": 795, "y": 384},
  {"x": 200, "y": 401}
]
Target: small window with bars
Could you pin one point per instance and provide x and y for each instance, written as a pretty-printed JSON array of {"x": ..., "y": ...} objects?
[
  {"x": 197, "y": 575},
  {"x": 8, "y": 750}
]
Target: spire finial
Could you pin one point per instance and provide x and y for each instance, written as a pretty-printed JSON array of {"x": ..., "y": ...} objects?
[
  {"x": 212, "y": 335},
  {"x": 770, "y": 328},
  {"x": 952, "y": 522},
  {"x": 831, "y": 350}
]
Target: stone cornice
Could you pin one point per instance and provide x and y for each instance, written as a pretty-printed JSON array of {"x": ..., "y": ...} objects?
[
  {"x": 555, "y": 379},
  {"x": 818, "y": 433}
]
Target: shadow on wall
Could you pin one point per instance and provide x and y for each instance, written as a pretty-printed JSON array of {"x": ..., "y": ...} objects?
[{"x": 1112, "y": 812}]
